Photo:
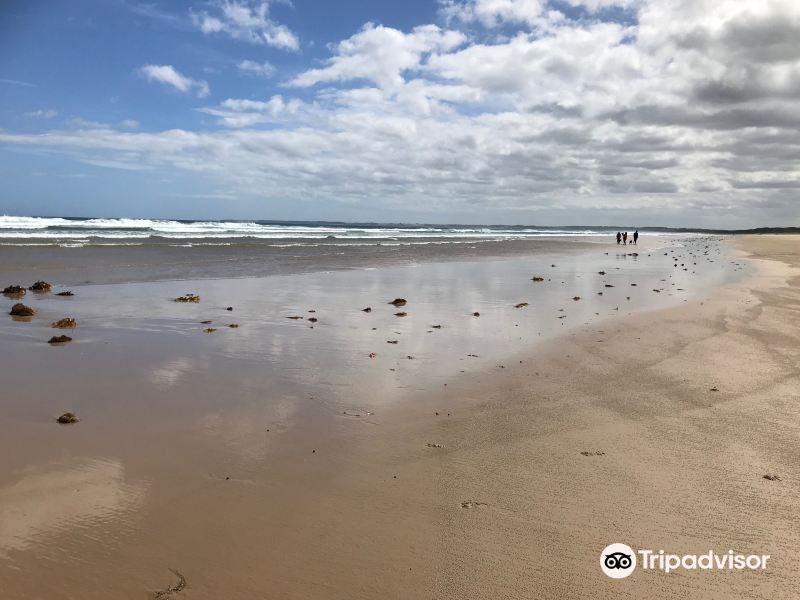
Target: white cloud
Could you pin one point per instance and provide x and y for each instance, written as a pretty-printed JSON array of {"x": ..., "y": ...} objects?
[
  {"x": 238, "y": 113},
  {"x": 167, "y": 75},
  {"x": 245, "y": 20},
  {"x": 492, "y": 13},
  {"x": 381, "y": 55},
  {"x": 596, "y": 5},
  {"x": 152, "y": 11},
  {"x": 251, "y": 67},
  {"x": 534, "y": 13},
  {"x": 18, "y": 82},
  {"x": 686, "y": 114},
  {"x": 129, "y": 124},
  {"x": 42, "y": 114}
]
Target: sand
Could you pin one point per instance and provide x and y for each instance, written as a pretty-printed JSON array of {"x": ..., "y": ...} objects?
[
  {"x": 490, "y": 498},
  {"x": 682, "y": 468}
]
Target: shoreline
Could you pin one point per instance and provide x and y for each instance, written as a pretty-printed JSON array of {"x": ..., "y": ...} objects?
[
  {"x": 375, "y": 511},
  {"x": 122, "y": 263}
]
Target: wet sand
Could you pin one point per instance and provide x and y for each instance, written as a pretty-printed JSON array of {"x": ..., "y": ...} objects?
[{"x": 287, "y": 463}]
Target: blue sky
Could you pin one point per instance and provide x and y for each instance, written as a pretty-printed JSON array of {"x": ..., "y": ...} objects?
[
  {"x": 80, "y": 60},
  {"x": 515, "y": 111}
]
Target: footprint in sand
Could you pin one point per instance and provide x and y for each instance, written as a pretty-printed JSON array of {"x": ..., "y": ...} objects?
[
  {"x": 472, "y": 504},
  {"x": 593, "y": 453},
  {"x": 355, "y": 413}
]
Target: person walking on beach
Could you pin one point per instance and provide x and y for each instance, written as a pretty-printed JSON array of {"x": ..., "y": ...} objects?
[
  {"x": 636, "y": 236},
  {"x": 624, "y": 238},
  {"x": 619, "y": 238}
]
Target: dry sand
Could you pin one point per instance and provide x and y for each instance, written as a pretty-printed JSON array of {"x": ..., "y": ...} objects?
[{"x": 507, "y": 507}]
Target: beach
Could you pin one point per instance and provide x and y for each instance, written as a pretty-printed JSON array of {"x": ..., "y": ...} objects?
[{"x": 531, "y": 402}]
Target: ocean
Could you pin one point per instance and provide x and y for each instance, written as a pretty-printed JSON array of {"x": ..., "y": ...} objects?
[{"x": 15, "y": 230}]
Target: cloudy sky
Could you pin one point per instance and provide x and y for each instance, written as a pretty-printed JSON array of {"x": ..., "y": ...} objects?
[{"x": 648, "y": 112}]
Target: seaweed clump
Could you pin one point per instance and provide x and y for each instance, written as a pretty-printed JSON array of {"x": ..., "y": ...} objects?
[
  {"x": 14, "y": 290},
  {"x": 68, "y": 418},
  {"x": 20, "y": 310},
  {"x": 65, "y": 323},
  {"x": 188, "y": 298},
  {"x": 40, "y": 286}
]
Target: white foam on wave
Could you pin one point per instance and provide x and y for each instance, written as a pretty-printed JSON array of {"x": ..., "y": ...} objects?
[{"x": 87, "y": 230}]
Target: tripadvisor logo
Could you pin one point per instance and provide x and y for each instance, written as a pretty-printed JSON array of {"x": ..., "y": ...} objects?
[{"x": 620, "y": 560}]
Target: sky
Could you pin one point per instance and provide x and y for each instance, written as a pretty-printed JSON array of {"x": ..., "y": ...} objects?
[{"x": 646, "y": 112}]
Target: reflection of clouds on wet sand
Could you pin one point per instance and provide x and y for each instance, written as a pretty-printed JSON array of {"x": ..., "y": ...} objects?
[
  {"x": 53, "y": 499},
  {"x": 343, "y": 357},
  {"x": 243, "y": 429},
  {"x": 171, "y": 372}
]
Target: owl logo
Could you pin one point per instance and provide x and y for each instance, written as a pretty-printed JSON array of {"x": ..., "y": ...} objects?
[{"x": 618, "y": 561}]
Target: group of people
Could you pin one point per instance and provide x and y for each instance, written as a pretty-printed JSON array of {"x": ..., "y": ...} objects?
[{"x": 623, "y": 237}]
